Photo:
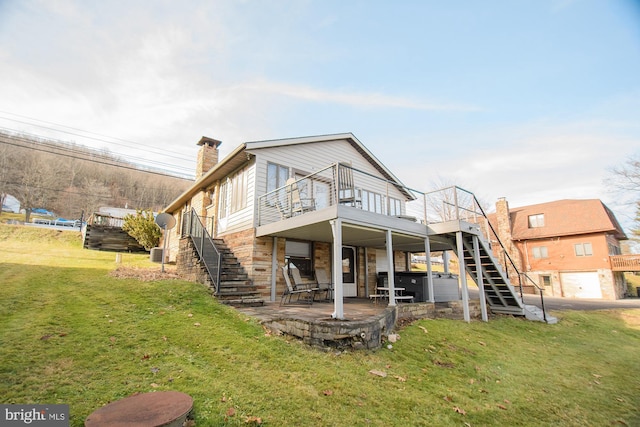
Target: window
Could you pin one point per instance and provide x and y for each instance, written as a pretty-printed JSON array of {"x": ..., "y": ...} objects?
[
  {"x": 583, "y": 249},
  {"x": 299, "y": 255},
  {"x": 277, "y": 176},
  {"x": 614, "y": 250},
  {"x": 545, "y": 280},
  {"x": 374, "y": 202},
  {"x": 239, "y": 190},
  {"x": 536, "y": 221},
  {"x": 233, "y": 193},
  {"x": 540, "y": 252},
  {"x": 224, "y": 190},
  {"x": 395, "y": 206}
]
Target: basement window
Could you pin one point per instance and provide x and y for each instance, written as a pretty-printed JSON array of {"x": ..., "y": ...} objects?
[
  {"x": 536, "y": 221},
  {"x": 545, "y": 280},
  {"x": 299, "y": 255}
]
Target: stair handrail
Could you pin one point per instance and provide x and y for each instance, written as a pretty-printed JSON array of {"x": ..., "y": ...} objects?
[
  {"x": 205, "y": 247},
  {"x": 508, "y": 257}
]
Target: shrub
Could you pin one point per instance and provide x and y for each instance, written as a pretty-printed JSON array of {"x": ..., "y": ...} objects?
[{"x": 143, "y": 228}]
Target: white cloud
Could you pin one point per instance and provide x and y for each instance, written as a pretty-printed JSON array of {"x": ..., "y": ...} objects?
[{"x": 351, "y": 98}]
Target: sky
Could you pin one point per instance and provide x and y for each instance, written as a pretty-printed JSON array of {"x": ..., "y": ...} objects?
[{"x": 532, "y": 100}]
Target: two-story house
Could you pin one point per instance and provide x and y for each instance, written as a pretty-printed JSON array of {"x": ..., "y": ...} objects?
[
  {"x": 566, "y": 246},
  {"x": 322, "y": 202}
]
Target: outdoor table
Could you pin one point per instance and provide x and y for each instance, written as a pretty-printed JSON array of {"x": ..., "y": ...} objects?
[{"x": 398, "y": 293}]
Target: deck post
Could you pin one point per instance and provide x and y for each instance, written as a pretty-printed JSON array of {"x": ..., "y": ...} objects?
[
  {"x": 338, "y": 292},
  {"x": 479, "y": 279},
  {"x": 427, "y": 251},
  {"x": 445, "y": 260},
  {"x": 390, "y": 276},
  {"x": 366, "y": 273},
  {"x": 274, "y": 268},
  {"x": 463, "y": 277}
]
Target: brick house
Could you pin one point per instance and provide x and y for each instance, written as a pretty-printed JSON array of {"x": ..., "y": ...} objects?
[{"x": 566, "y": 246}]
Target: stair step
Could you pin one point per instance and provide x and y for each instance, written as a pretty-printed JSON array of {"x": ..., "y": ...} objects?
[
  {"x": 508, "y": 310},
  {"x": 239, "y": 289},
  {"x": 244, "y": 302}
]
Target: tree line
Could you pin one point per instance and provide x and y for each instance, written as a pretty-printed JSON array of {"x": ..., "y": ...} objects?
[{"x": 74, "y": 181}]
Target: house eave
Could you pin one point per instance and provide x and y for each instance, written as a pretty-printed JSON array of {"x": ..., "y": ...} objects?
[{"x": 233, "y": 161}]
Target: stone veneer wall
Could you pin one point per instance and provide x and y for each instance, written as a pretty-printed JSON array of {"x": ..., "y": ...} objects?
[
  {"x": 331, "y": 333},
  {"x": 186, "y": 266},
  {"x": 254, "y": 254},
  {"x": 367, "y": 334}
]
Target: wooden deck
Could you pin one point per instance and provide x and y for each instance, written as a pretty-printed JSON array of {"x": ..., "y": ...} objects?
[{"x": 625, "y": 262}]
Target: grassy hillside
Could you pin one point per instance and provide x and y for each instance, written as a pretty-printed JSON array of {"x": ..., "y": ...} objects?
[{"x": 71, "y": 332}]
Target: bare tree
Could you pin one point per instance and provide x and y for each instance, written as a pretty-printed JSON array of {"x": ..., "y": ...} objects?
[
  {"x": 624, "y": 180},
  {"x": 68, "y": 179}
]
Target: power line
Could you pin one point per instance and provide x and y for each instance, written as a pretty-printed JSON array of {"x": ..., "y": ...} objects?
[
  {"x": 60, "y": 151},
  {"x": 136, "y": 145},
  {"x": 66, "y": 146}
]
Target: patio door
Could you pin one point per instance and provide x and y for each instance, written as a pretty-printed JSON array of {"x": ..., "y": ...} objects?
[{"x": 349, "y": 278}]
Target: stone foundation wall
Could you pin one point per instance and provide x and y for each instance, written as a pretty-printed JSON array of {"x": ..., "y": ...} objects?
[
  {"x": 338, "y": 334},
  {"x": 187, "y": 267},
  {"x": 369, "y": 334}
]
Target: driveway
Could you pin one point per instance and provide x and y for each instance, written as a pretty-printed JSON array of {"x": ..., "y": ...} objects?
[{"x": 556, "y": 303}]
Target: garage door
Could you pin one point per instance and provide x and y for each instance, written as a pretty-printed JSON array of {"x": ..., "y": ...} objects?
[{"x": 581, "y": 285}]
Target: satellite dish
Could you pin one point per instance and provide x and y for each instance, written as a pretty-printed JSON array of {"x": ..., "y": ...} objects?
[{"x": 166, "y": 221}]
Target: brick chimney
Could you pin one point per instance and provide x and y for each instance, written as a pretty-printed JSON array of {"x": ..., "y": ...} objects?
[
  {"x": 503, "y": 220},
  {"x": 207, "y": 155}
]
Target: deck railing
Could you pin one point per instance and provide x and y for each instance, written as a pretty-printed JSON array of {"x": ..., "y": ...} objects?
[
  {"x": 210, "y": 256},
  {"x": 342, "y": 184},
  {"x": 625, "y": 262},
  {"x": 105, "y": 220}
]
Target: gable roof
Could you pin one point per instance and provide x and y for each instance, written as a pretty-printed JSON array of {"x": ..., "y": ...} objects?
[
  {"x": 240, "y": 156},
  {"x": 565, "y": 218},
  {"x": 349, "y": 137}
]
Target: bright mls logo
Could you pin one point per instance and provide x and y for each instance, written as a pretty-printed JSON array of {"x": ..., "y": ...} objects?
[{"x": 34, "y": 415}]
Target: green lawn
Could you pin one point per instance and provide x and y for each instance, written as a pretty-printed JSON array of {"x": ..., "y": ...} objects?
[{"x": 71, "y": 333}]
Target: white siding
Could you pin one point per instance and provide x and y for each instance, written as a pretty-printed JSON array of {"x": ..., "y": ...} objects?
[
  {"x": 312, "y": 157},
  {"x": 242, "y": 219}
]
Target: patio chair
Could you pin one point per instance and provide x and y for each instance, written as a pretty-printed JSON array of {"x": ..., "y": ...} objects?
[
  {"x": 297, "y": 204},
  {"x": 299, "y": 284},
  {"x": 348, "y": 194},
  {"x": 307, "y": 295},
  {"x": 324, "y": 284}
]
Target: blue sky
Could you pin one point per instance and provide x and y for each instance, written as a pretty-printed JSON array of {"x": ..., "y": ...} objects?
[{"x": 530, "y": 100}]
